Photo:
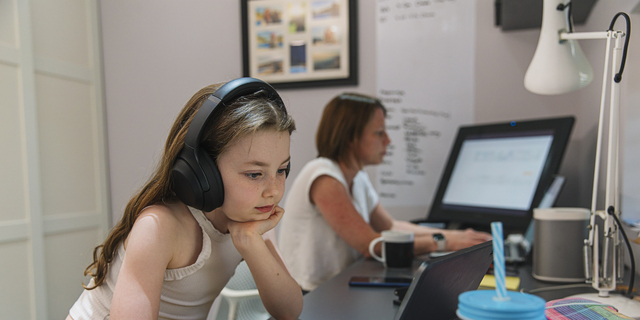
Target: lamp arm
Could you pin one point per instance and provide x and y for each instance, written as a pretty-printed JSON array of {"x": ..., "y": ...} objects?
[
  {"x": 596, "y": 173},
  {"x": 605, "y": 276},
  {"x": 612, "y": 185},
  {"x": 583, "y": 35},
  {"x": 559, "y": 66}
]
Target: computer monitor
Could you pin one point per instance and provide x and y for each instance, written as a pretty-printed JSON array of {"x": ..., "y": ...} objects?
[{"x": 500, "y": 172}]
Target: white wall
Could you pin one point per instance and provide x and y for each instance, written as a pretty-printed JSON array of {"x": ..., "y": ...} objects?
[{"x": 158, "y": 53}]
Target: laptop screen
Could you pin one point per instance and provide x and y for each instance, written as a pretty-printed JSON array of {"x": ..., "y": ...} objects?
[{"x": 435, "y": 288}]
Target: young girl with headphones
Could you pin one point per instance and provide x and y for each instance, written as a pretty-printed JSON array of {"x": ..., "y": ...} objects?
[{"x": 183, "y": 234}]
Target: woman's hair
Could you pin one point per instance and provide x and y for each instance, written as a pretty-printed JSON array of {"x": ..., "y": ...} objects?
[
  {"x": 342, "y": 124},
  {"x": 245, "y": 116}
]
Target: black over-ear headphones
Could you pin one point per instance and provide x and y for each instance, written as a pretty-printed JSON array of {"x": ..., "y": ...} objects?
[{"x": 195, "y": 177}]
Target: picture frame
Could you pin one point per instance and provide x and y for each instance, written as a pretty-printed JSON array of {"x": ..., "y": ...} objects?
[{"x": 300, "y": 43}]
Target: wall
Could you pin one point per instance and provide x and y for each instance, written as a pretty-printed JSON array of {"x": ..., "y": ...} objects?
[{"x": 157, "y": 54}]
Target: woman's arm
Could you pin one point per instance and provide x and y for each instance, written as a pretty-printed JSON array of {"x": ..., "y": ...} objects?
[
  {"x": 331, "y": 198},
  {"x": 279, "y": 292},
  {"x": 149, "y": 250},
  {"x": 423, "y": 240}
]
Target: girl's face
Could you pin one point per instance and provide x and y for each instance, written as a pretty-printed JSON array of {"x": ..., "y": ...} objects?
[
  {"x": 374, "y": 141},
  {"x": 253, "y": 174}
]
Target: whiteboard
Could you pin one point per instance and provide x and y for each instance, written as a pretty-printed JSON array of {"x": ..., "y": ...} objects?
[{"x": 425, "y": 78}]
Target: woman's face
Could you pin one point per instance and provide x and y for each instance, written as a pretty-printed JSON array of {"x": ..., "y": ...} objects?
[
  {"x": 253, "y": 173},
  {"x": 374, "y": 141}
]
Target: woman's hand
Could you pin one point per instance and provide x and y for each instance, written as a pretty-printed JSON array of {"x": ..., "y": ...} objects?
[
  {"x": 243, "y": 232},
  {"x": 460, "y": 239}
]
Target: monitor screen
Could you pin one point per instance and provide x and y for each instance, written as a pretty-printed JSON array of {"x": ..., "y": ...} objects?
[{"x": 499, "y": 172}]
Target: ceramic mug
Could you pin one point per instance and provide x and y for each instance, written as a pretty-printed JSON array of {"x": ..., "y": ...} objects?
[{"x": 397, "y": 249}]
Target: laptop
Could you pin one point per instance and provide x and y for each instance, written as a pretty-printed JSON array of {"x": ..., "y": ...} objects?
[{"x": 434, "y": 291}]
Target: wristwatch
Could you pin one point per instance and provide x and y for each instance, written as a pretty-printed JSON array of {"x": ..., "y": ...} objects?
[{"x": 441, "y": 242}]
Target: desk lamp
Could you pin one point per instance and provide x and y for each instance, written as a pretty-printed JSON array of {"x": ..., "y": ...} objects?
[{"x": 559, "y": 66}]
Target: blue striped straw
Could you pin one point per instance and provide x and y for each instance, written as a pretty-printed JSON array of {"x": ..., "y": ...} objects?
[{"x": 498, "y": 260}]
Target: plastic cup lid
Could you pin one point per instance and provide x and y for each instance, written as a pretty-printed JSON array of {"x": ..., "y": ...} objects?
[{"x": 485, "y": 305}]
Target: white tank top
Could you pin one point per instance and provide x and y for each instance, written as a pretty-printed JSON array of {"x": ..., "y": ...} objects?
[{"x": 187, "y": 293}]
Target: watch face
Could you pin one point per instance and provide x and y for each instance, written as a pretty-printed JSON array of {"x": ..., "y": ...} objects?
[{"x": 438, "y": 236}]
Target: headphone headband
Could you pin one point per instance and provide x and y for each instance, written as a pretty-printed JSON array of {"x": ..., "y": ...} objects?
[{"x": 230, "y": 91}]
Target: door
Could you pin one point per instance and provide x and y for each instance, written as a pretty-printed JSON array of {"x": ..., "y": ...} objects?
[{"x": 54, "y": 206}]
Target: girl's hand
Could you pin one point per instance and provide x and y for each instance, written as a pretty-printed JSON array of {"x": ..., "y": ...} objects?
[
  {"x": 460, "y": 239},
  {"x": 243, "y": 232}
]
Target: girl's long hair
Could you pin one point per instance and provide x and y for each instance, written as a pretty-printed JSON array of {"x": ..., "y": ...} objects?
[{"x": 244, "y": 116}]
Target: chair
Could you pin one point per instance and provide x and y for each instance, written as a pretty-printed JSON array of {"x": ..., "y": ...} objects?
[{"x": 239, "y": 299}]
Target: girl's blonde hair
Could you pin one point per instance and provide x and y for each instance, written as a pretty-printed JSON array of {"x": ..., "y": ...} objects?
[{"x": 242, "y": 117}]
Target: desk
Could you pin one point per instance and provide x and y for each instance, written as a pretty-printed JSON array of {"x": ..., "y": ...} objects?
[{"x": 334, "y": 299}]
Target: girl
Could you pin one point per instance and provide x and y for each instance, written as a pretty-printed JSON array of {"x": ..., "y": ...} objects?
[
  {"x": 227, "y": 154},
  {"x": 333, "y": 208}
]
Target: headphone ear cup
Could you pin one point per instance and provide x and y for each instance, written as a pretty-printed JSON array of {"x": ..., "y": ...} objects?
[
  {"x": 214, "y": 197},
  {"x": 287, "y": 170},
  {"x": 185, "y": 184}
]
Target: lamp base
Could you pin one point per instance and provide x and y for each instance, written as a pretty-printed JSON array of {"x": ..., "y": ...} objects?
[{"x": 626, "y": 306}]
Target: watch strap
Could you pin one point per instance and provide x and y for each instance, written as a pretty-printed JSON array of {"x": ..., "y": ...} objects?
[{"x": 441, "y": 241}]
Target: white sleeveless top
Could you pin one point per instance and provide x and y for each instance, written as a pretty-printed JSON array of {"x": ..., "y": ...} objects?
[
  {"x": 187, "y": 293},
  {"x": 312, "y": 250}
]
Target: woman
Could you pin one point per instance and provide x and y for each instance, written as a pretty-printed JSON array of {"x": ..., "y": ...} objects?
[{"x": 333, "y": 212}]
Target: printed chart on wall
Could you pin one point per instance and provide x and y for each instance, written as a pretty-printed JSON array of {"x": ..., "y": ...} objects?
[{"x": 426, "y": 80}]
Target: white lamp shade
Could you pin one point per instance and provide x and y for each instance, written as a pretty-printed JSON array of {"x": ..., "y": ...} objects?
[{"x": 557, "y": 67}]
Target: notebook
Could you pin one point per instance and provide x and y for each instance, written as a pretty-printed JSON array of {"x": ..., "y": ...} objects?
[{"x": 434, "y": 291}]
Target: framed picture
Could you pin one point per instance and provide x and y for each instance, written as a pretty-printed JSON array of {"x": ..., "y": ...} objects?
[{"x": 300, "y": 43}]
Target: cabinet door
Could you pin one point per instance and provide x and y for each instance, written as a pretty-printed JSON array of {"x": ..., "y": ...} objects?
[{"x": 54, "y": 206}]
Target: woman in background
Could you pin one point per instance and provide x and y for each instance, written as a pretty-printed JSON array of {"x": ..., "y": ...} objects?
[{"x": 333, "y": 211}]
